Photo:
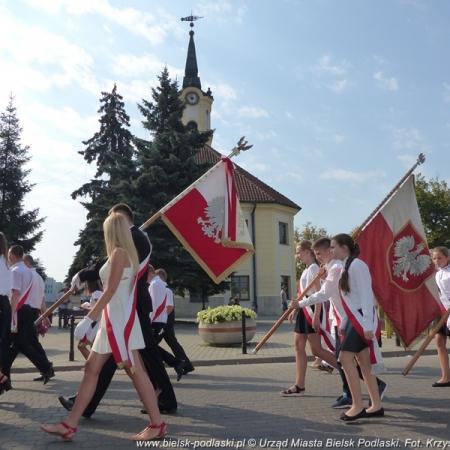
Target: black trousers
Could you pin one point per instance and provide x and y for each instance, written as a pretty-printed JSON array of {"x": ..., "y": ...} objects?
[
  {"x": 172, "y": 342},
  {"x": 155, "y": 369},
  {"x": 159, "y": 330},
  {"x": 5, "y": 332},
  {"x": 26, "y": 341}
]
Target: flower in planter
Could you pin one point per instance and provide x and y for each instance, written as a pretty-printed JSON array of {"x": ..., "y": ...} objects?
[{"x": 222, "y": 314}]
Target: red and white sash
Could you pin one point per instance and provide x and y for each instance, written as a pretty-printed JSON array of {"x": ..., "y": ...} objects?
[
  {"x": 356, "y": 319},
  {"x": 161, "y": 308},
  {"x": 118, "y": 338},
  {"x": 20, "y": 303},
  {"x": 324, "y": 328}
]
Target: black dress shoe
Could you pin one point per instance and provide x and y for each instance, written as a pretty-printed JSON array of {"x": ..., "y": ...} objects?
[
  {"x": 67, "y": 403},
  {"x": 377, "y": 413},
  {"x": 46, "y": 376},
  {"x": 347, "y": 418},
  {"x": 179, "y": 369},
  {"x": 188, "y": 368}
]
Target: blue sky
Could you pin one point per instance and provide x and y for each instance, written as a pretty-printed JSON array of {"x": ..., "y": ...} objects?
[{"x": 338, "y": 98}]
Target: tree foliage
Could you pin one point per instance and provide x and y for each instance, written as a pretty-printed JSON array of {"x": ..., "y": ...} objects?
[
  {"x": 433, "y": 197},
  {"x": 20, "y": 226}
]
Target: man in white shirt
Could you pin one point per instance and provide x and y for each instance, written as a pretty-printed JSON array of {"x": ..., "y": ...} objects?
[
  {"x": 159, "y": 295},
  {"x": 26, "y": 302}
]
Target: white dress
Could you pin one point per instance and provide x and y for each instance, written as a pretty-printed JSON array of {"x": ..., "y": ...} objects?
[{"x": 118, "y": 307}]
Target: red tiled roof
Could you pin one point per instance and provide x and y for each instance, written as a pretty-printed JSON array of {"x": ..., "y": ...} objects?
[{"x": 250, "y": 189}]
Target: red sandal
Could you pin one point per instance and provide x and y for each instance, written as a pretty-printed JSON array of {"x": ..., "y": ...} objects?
[
  {"x": 148, "y": 433},
  {"x": 67, "y": 435}
]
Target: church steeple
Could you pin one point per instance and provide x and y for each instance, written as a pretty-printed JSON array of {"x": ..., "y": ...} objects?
[{"x": 191, "y": 78}]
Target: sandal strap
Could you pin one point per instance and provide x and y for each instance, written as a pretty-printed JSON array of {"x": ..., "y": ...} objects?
[
  {"x": 155, "y": 427},
  {"x": 70, "y": 430}
]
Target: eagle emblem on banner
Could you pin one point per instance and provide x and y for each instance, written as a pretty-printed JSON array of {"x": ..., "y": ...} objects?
[
  {"x": 212, "y": 226},
  {"x": 408, "y": 258}
]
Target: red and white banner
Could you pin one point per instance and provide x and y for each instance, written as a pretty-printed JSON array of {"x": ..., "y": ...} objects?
[
  {"x": 394, "y": 247},
  {"x": 208, "y": 221}
]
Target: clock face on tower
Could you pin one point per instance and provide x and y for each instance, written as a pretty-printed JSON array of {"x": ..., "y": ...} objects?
[{"x": 192, "y": 98}]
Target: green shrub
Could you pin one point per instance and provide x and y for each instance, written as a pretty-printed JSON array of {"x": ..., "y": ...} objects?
[{"x": 222, "y": 314}]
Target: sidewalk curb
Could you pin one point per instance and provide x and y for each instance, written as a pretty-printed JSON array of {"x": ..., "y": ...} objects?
[{"x": 249, "y": 359}]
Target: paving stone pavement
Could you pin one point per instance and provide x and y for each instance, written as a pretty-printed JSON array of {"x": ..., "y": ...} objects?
[{"x": 240, "y": 403}]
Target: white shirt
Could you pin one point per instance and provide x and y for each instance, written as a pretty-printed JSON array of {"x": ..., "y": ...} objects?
[
  {"x": 443, "y": 282},
  {"x": 37, "y": 292},
  {"x": 5, "y": 277},
  {"x": 307, "y": 276},
  {"x": 169, "y": 297},
  {"x": 21, "y": 277},
  {"x": 94, "y": 298},
  {"x": 158, "y": 293},
  {"x": 361, "y": 295},
  {"x": 329, "y": 290}
]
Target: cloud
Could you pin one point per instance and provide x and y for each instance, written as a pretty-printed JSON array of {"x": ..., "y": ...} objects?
[
  {"x": 407, "y": 160},
  {"x": 130, "y": 65},
  {"x": 222, "y": 11},
  {"x": 252, "y": 112},
  {"x": 406, "y": 138},
  {"x": 154, "y": 28},
  {"x": 28, "y": 63},
  {"x": 333, "y": 75},
  {"x": 350, "y": 176},
  {"x": 384, "y": 82}
]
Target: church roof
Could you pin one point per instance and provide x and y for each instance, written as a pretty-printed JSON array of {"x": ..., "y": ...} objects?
[
  {"x": 191, "y": 78},
  {"x": 250, "y": 189}
]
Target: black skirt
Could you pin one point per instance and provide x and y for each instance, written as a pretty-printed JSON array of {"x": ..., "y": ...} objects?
[
  {"x": 444, "y": 331},
  {"x": 352, "y": 341},
  {"x": 302, "y": 325}
]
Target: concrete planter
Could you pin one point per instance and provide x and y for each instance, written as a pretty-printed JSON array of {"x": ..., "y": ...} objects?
[{"x": 226, "y": 332}]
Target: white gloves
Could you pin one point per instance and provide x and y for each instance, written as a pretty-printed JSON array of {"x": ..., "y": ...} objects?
[{"x": 84, "y": 328}]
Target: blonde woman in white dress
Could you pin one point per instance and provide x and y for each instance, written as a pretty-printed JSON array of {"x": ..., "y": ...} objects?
[{"x": 120, "y": 333}]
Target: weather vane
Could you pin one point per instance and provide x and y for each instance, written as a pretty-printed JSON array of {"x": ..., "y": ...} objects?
[{"x": 191, "y": 19}]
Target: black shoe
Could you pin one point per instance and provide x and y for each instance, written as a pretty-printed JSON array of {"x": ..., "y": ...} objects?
[
  {"x": 67, "y": 403},
  {"x": 46, "y": 376},
  {"x": 41, "y": 378},
  {"x": 377, "y": 413},
  {"x": 7, "y": 386},
  {"x": 179, "y": 369},
  {"x": 188, "y": 368},
  {"x": 347, "y": 418}
]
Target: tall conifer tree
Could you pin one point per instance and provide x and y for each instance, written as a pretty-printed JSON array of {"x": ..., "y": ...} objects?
[
  {"x": 111, "y": 149},
  {"x": 166, "y": 166},
  {"x": 20, "y": 226}
]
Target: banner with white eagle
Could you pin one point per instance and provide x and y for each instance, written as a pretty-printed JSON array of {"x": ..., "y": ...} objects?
[
  {"x": 208, "y": 221},
  {"x": 394, "y": 247}
]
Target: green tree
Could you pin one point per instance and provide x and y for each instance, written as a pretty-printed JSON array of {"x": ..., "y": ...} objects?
[
  {"x": 433, "y": 197},
  {"x": 20, "y": 226},
  {"x": 111, "y": 149},
  {"x": 166, "y": 166}
]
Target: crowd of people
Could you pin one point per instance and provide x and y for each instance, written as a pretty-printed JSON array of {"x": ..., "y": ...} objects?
[
  {"x": 338, "y": 307},
  {"x": 131, "y": 310},
  {"x": 125, "y": 322}
]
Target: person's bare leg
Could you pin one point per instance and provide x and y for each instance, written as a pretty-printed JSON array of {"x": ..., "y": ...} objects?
[
  {"x": 86, "y": 391},
  {"x": 319, "y": 351},
  {"x": 370, "y": 380},
  {"x": 301, "y": 360},
  {"x": 441, "y": 346},
  {"x": 147, "y": 395},
  {"x": 347, "y": 360},
  {"x": 83, "y": 350}
]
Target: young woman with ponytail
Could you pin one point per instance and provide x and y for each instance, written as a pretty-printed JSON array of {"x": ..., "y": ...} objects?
[{"x": 361, "y": 330}]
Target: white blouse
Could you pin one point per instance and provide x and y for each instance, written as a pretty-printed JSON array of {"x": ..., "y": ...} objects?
[
  {"x": 5, "y": 277},
  {"x": 443, "y": 282},
  {"x": 307, "y": 276},
  {"x": 361, "y": 295}
]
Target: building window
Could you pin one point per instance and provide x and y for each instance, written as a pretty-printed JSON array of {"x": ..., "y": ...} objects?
[
  {"x": 283, "y": 231},
  {"x": 240, "y": 287},
  {"x": 286, "y": 283}
]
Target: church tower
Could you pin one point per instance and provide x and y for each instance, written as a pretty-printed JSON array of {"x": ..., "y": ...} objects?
[{"x": 198, "y": 103}]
